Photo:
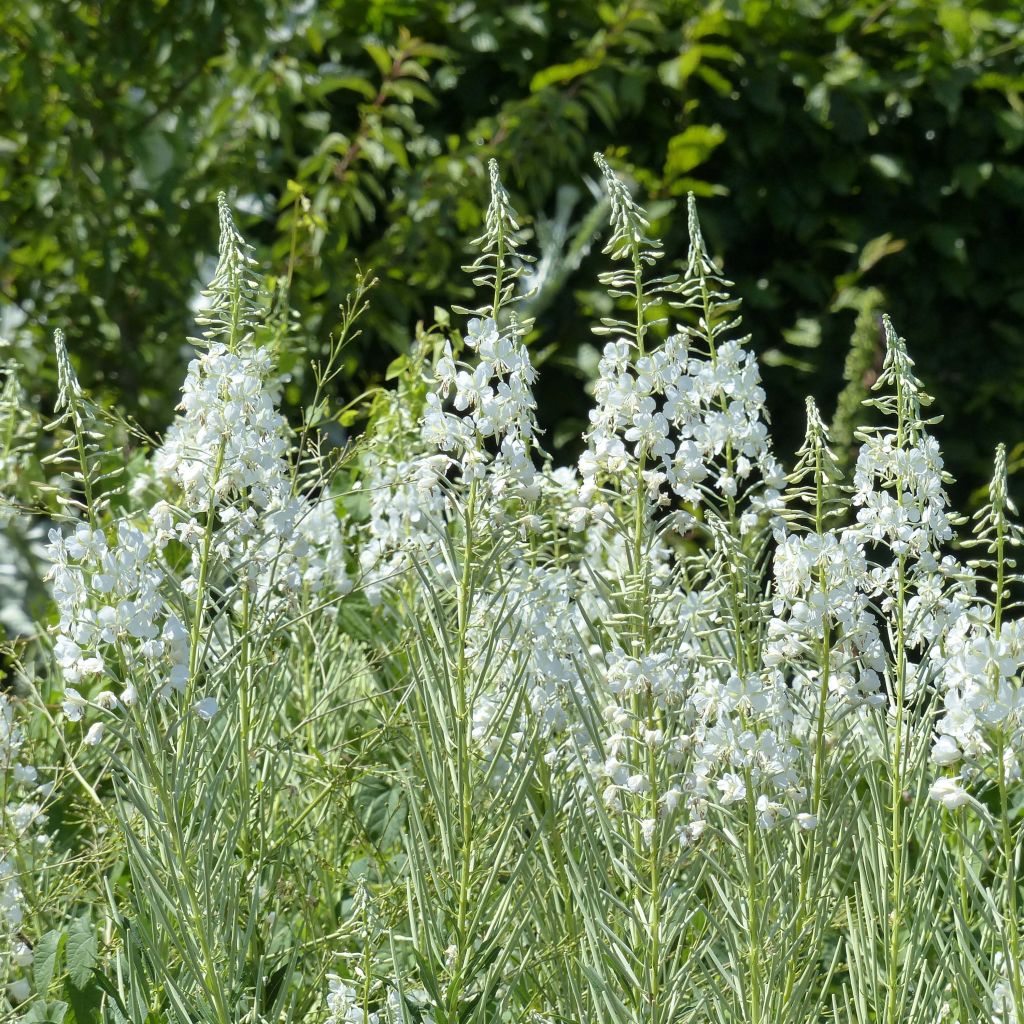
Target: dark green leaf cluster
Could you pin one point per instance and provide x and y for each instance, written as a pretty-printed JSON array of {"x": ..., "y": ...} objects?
[{"x": 870, "y": 153}]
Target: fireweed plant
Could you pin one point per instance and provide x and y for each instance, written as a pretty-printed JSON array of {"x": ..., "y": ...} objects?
[{"x": 425, "y": 730}]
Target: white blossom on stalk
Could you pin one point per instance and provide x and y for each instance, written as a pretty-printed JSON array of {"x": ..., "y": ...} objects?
[
  {"x": 230, "y": 440},
  {"x": 490, "y": 432},
  {"x": 525, "y": 637},
  {"x": 492, "y": 429},
  {"x": 345, "y": 1003},
  {"x": 980, "y": 661},
  {"x": 819, "y": 577},
  {"x": 230, "y": 452},
  {"x": 21, "y": 838},
  {"x": 229, "y": 498},
  {"x": 687, "y": 417},
  {"x": 950, "y": 794},
  {"x": 113, "y": 615},
  {"x": 899, "y": 478},
  {"x": 406, "y": 505}
]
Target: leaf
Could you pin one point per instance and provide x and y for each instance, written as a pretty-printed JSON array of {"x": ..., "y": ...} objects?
[
  {"x": 806, "y": 333},
  {"x": 396, "y": 367},
  {"x": 85, "y": 1000},
  {"x": 42, "y": 1012},
  {"x": 44, "y": 959},
  {"x": 676, "y": 71},
  {"x": 155, "y": 156},
  {"x": 115, "y": 1003},
  {"x": 558, "y": 74},
  {"x": 692, "y": 147},
  {"x": 81, "y": 951},
  {"x": 888, "y": 167},
  {"x": 877, "y": 249},
  {"x": 380, "y": 56},
  {"x": 351, "y": 83}
]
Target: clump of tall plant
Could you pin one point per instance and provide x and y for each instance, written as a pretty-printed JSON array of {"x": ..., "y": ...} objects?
[{"x": 429, "y": 729}]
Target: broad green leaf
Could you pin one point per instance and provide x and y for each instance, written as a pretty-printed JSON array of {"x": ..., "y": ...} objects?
[
  {"x": 396, "y": 367},
  {"x": 878, "y": 248},
  {"x": 80, "y": 952},
  {"x": 44, "y": 960},
  {"x": 85, "y": 1000},
  {"x": 43, "y": 1012}
]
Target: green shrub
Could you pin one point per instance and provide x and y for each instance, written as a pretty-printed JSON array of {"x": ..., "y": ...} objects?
[{"x": 859, "y": 146}]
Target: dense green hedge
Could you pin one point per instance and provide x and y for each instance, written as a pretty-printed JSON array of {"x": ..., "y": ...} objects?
[{"x": 855, "y": 156}]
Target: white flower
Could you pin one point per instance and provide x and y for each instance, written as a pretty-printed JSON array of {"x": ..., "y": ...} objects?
[
  {"x": 19, "y": 990},
  {"x": 949, "y": 793},
  {"x": 206, "y": 708},
  {"x": 732, "y": 788},
  {"x": 945, "y": 751},
  {"x": 95, "y": 734},
  {"x": 74, "y": 704},
  {"x": 769, "y": 812}
]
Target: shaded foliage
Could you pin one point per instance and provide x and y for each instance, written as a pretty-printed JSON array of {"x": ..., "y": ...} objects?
[{"x": 870, "y": 154}]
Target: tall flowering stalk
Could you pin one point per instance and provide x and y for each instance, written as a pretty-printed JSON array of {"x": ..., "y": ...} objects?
[
  {"x": 903, "y": 521},
  {"x": 170, "y": 605},
  {"x": 469, "y": 490},
  {"x": 678, "y": 422}
]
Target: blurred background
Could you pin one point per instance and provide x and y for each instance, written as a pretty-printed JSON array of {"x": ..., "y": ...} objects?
[{"x": 851, "y": 157}]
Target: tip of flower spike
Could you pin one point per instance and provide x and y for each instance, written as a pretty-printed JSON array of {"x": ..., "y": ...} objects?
[
  {"x": 499, "y": 196},
  {"x": 61, "y": 349},
  {"x": 698, "y": 259},
  {"x": 998, "y": 489},
  {"x": 1000, "y": 467},
  {"x": 67, "y": 379},
  {"x": 603, "y": 165},
  {"x": 892, "y": 340},
  {"x": 815, "y": 424}
]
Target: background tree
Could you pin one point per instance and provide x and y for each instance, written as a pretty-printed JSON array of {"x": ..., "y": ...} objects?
[{"x": 870, "y": 154}]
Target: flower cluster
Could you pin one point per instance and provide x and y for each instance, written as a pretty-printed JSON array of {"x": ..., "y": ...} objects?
[
  {"x": 230, "y": 440},
  {"x": 225, "y": 485},
  {"x": 684, "y": 418},
  {"x": 525, "y": 637},
  {"x": 493, "y": 405},
  {"x": 406, "y": 505},
  {"x": 21, "y": 815},
  {"x": 228, "y": 453},
  {"x": 115, "y": 622},
  {"x": 819, "y": 592},
  {"x": 688, "y": 415},
  {"x": 898, "y": 481},
  {"x": 346, "y": 1004}
]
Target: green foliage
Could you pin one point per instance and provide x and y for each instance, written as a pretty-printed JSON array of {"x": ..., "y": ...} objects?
[{"x": 862, "y": 146}]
